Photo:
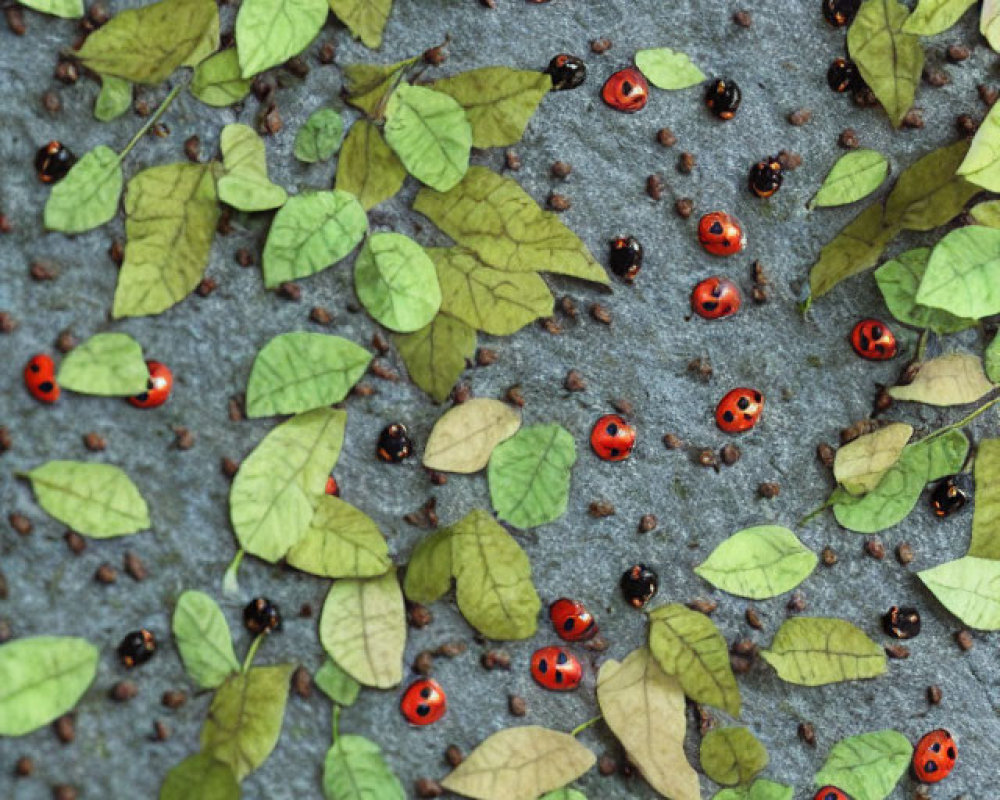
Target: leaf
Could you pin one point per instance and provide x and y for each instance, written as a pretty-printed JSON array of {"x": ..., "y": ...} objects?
[
  {"x": 564, "y": 794},
  {"x": 218, "y": 80},
  {"x": 311, "y": 232},
  {"x": 986, "y": 213},
  {"x": 899, "y": 281},
  {"x": 435, "y": 355},
  {"x": 269, "y": 32},
  {"x": 758, "y": 563},
  {"x": 520, "y": 764},
  {"x": 732, "y": 756},
  {"x": 644, "y": 708},
  {"x": 396, "y": 282},
  {"x": 963, "y": 273},
  {"x": 203, "y": 640},
  {"x": 950, "y": 380},
  {"x": 244, "y": 184},
  {"x": 989, "y": 23},
  {"x": 42, "y": 678},
  {"x": 855, "y": 175},
  {"x": 494, "y": 301},
  {"x": 668, "y": 69},
  {"x": 200, "y": 776},
  {"x": 355, "y": 770},
  {"x": 986, "y": 514},
  {"x": 365, "y": 19},
  {"x": 341, "y": 542},
  {"x": 67, "y": 9},
  {"x": 366, "y": 85},
  {"x": 88, "y": 196},
  {"x": 932, "y": 17},
  {"x": 855, "y": 249},
  {"x": 336, "y": 684},
  {"x": 492, "y": 574},
  {"x": 278, "y": 487},
  {"x": 687, "y": 645},
  {"x": 145, "y": 45},
  {"x": 300, "y": 371},
  {"x": 107, "y": 364},
  {"x": 208, "y": 43},
  {"x": 113, "y": 101},
  {"x": 367, "y": 167},
  {"x": 496, "y": 219},
  {"x": 929, "y": 193},
  {"x": 762, "y": 789},
  {"x": 429, "y": 132},
  {"x": 244, "y": 720},
  {"x": 867, "y": 766},
  {"x": 529, "y": 475},
  {"x": 991, "y": 359},
  {"x": 889, "y": 60},
  {"x": 815, "y": 651},
  {"x": 982, "y": 164},
  {"x": 319, "y": 137},
  {"x": 170, "y": 217},
  {"x": 498, "y": 101},
  {"x": 969, "y": 588},
  {"x": 98, "y": 500},
  {"x": 463, "y": 439},
  {"x": 860, "y": 465}
]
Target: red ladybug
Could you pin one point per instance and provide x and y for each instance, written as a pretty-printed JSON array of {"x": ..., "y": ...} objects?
[
  {"x": 612, "y": 438},
  {"x": 715, "y": 298},
  {"x": 423, "y": 702},
  {"x": 721, "y": 234},
  {"x": 332, "y": 487},
  {"x": 831, "y": 793},
  {"x": 739, "y": 410},
  {"x": 40, "y": 379},
  {"x": 158, "y": 387},
  {"x": 626, "y": 91},
  {"x": 934, "y": 757},
  {"x": 572, "y": 621},
  {"x": 872, "y": 339},
  {"x": 556, "y": 669}
]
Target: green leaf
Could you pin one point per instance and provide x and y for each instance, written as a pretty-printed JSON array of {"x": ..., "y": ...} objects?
[
  {"x": 889, "y": 60},
  {"x": 868, "y": 766},
  {"x": 982, "y": 164},
  {"x": 861, "y": 464},
  {"x": 929, "y": 193},
  {"x": 107, "y": 364},
  {"x": 463, "y": 439},
  {"x": 855, "y": 175},
  {"x": 987, "y": 213},
  {"x": 954, "y": 379},
  {"x": 244, "y": 720},
  {"x": 367, "y": 167},
  {"x": 989, "y": 23},
  {"x": 42, "y": 678},
  {"x": 396, "y": 282},
  {"x": 366, "y": 85},
  {"x": 668, "y": 69},
  {"x": 269, "y": 32},
  {"x": 932, "y": 17},
  {"x": 365, "y": 19},
  {"x": 200, "y": 776},
  {"x": 899, "y": 281},
  {"x": 98, "y": 500},
  {"x": 963, "y": 273},
  {"x": 758, "y": 563},
  {"x": 495, "y": 218},
  {"x": 244, "y": 184},
  {"x": 687, "y": 645},
  {"x": 564, "y": 794},
  {"x": 336, "y": 684},
  {"x": 208, "y": 43},
  {"x": 492, "y": 300},
  {"x": 991, "y": 360},
  {"x": 855, "y": 249},
  {"x": 218, "y": 80},
  {"x": 301, "y": 371},
  {"x": 762, "y": 789},
  {"x": 355, "y": 770},
  {"x": 986, "y": 513},
  {"x": 319, "y": 137},
  {"x": 67, "y": 9},
  {"x": 341, "y": 542},
  {"x": 529, "y": 475},
  {"x": 203, "y": 640},
  {"x": 492, "y": 574},
  {"x": 170, "y": 218},
  {"x": 969, "y": 588},
  {"x": 732, "y": 756},
  {"x": 279, "y": 485},
  {"x": 114, "y": 100},
  {"x": 311, "y": 232},
  {"x": 88, "y": 196},
  {"x": 363, "y": 629},
  {"x": 429, "y": 132},
  {"x": 498, "y": 101},
  {"x": 145, "y": 45},
  {"x": 435, "y": 355},
  {"x": 815, "y": 651}
]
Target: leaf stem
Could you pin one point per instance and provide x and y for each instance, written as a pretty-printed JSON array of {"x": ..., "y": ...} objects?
[
  {"x": 248, "y": 661},
  {"x": 964, "y": 420},
  {"x": 814, "y": 513},
  {"x": 230, "y": 582},
  {"x": 584, "y": 725},
  {"x": 922, "y": 344},
  {"x": 181, "y": 85},
  {"x": 336, "y": 722}
]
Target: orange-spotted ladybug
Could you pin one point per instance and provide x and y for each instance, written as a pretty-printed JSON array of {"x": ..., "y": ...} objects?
[
  {"x": 625, "y": 257},
  {"x": 612, "y": 438},
  {"x": 394, "y": 443},
  {"x": 901, "y": 623},
  {"x": 872, "y": 339},
  {"x": 951, "y": 494},
  {"x": 260, "y": 615},
  {"x": 715, "y": 298},
  {"x": 332, "y": 487},
  {"x": 556, "y": 669},
  {"x": 626, "y": 90},
  {"x": 136, "y": 648},
  {"x": 721, "y": 234},
  {"x": 40, "y": 379},
  {"x": 639, "y": 584},
  {"x": 423, "y": 702},
  {"x": 566, "y": 71},
  {"x": 934, "y": 756},
  {"x": 158, "y": 387},
  {"x": 53, "y": 161},
  {"x": 765, "y": 177},
  {"x": 723, "y": 97},
  {"x": 840, "y": 12},
  {"x": 572, "y": 621},
  {"x": 830, "y": 793},
  {"x": 843, "y": 76},
  {"x": 739, "y": 410}
]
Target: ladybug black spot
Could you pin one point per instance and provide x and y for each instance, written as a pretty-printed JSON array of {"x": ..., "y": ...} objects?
[
  {"x": 757, "y": 396},
  {"x": 425, "y": 692},
  {"x": 936, "y": 747},
  {"x": 716, "y": 228},
  {"x": 568, "y": 625},
  {"x": 951, "y": 753},
  {"x": 612, "y": 429},
  {"x": 543, "y": 666},
  {"x": 423, "y": 709},
  {"x": 743, "y": 403},
  {"x": 142, "y": 398},
  {"x": 615, "y": 452},
  {"x": 559, "y": 677},
  {"x": 709, "y": 305},
  {"x": 930, "y": 767},
  {"x": 727, "y": 416},
  {"x": 561, "y": 658},
  {"x": 46, "y": 387},
  {"x": 34, "y": 368},
  {"x": 876, "y": 332}
]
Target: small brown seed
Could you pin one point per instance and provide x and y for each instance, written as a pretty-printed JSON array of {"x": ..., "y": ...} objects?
[
  {"x": 183, "y": 438},
  {"x": 560, "y": 169},
  {"x": 934, "y": 695},
  {"x": 134, "y": 566},
  {"x": 461, "y": 393},
  {"x": 236, "y": 405},
  {"x": 796, "y": 603},
  {"x": 94, "y": 442},
  {"x": 161, "y": 731},
  {"x": 647, "y": 523},
  {"x": 423, "y": 664},
  {"x": 65, "y": 728},
  {"x": 380, "y": 343},
  {"x": 4, "y": 589},
  {"x": 485, "y": 357},
  {"x": 789, "y": 160},
  {"x": 964, "y": 640},
  {"x": 6, "y": 441},
  {"x": 672, "y": 441},
  {"x": 559, "y": 202},
  {"x": 606, "y": 765},
  {"x": 826, "y": 454},
  {"x": 686, "y": 162},
  {"x": 173, "y": 698},
  {"x": 829, "y": 556},
  {"x": 600, "y": 509},
  {"x": 451, "y": 649},
  {"x": 666, "y": 137},
  {"x": 743, "y": 18},
  {"x": 574, "y": 381},
  {"x": 495, "y": 659},
  {"x": 123, "y": 691},
  {"x": 703, "y": 605},
  {"x": 601, "y": 313},
  {"x": 914, "y": 119},
  {"x": 988, "y": 94},
  {"x": 905, "y": 554},
  {"x": 419, "y": 616},
  {"x": 800, "y": 117},
  {"x": 382, "y": 370},
  {"x": 515, "y": 396},
  {"x": 454, "y": 755},
  {"x": 244, "y": 257},
  {"x": 849, "y": 139},
  {"x": 512, "y": 160},
  {"x": 874, "y": 548},
  {"x": 654, "y": 187},
  {"x": 807, "y": 733},
  {"x": 269, "y": 122},
  {"x": 15, "y": 20},
  {"x": 192, "y": 148},
  {"x": 106, "y": 574},
  {"x": 966, "y": 125},
  {"x": 43, "y": 271},
  {"x": 730, "y": 454},
  {"x": 707, "y": 458},
  {"x": 302, "y": 683},
  {"x": 568, "y": 306},
  {"x": 305, "y": 610},
  {"x": 753, "y": 618},
  {"x": 437, "y": 478},
  {"x": 20, "y": 523},
  {"x": 290, "y": 291},
  {"x": 229, "y": 467},
  {"x": 116, "y": 252},
  {"x": 899, "y": 651},
  {"x": 8, "y": 324},
  {"x": 24, "y": 767},
  {"x": 600, "y": 46},
  {"x": 51, "y": 102},
  {"x": 769, "y": 490},
  {"x": 206, "y": 287},
  {"x": 63, "y": 791},
  {"x": 426, "y": 787},
  {"x": 327, "y": 52},
  {"x": 956, "y": 53},
  {"x": 75, "y": 542}
]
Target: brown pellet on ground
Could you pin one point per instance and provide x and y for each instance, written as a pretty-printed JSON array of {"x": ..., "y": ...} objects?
[
  {"x": 66, "y": 341},
  {"x": 703, "y": 605},
  {"x": 192, "y": 148},
  {"x": 560, "y": 169},
  {"x": 623, "y": 406},
  {"x": 829, "y": 556},
  {"x": 654, "y": 187},
  {"x": 75, "y": 542},
  {"x": 799, "y": 117},
  {"x": 269, "y": 122},
  {"x": 600, "y": 46},
  {"x": 51, "y": 102},
  {"x": 936, "y": 77},
  {"x": 6, "y": 632},
  {"x": 298, "y": 66},
  {"x": 6, "y": 226},
  {"x": 597, "y": 645},
  {"x": 865, "y": 98},
  {"x": 302, "y": 683},
  {"x": 63, "y": 791},
  {"x": 244, "y": 257},
  {"x": 4, "y": 588},
  {"x": 183, "y": 438},
  {"x": 290, "y": 291},
  {"x": 574, "y": 381},
  {"x": 826, "y": 454},
  {"x": 8, "y": 322},
  {"x": 666, "y": 137},
  {"x": 495, "y": 659},
  {"x": 320, "y": 315},
  {"x": 66, "y": 72},
  {"x": 106, "y": 574},
  {"x": 173, "y": 698},
  {"x": 759, "y": 295},
  {"x": 796, "y": 603},
  {"x": 380, "y": 343},
  {"x": 512, "y": 160},
  {"x": 423, "y": 517},
  {"x": 65, "y": 728},
  {"x": 769, "y": 490},
  {"x": 94, "y": 442},
  {"x": 461, "y": 393},
  {"x": 15, "y": 20},
  {"x": 451, "y": 649},
  {"x": 914, "y": 119},
  {"x": 730, "y": 454},
  {"x": 486, "y": 357},
  {"x": 437, "y": 478},
  {"x": 758, "y": 273},
  {"x": 898, "y": 651},
  {"x": 453, "y": 755},
  {"x": 161, "y": 731},
  {"x": 707, "y": 458},
  {"x": 964, "y": 640},
  {"x": 606, "y": 765},
  {"x": 305, "y": 610},
  {"x": 600, "y": 313},
  {"x": 327, "y": 53},
  {"x": 515, "y": 396},
  {"x": 904, "y": 553},
  {"x": 883, "y": 400},
  {"x": 43, "y": 271},
  {"x": 6, "y": 440},
  {"x": 848, "y": 139},
  {"x": 672, "y": 441},
  {"x": 988, "y": 94},
  {"x": 419, "y": 616},
  {"x": 559, "y": 202},
  {"x": 134, "y": 566},
  {"x": 116, "y": 252},
  {"x": 24, "y": 767},
  {"x": 743, "y": 18},
  {"x": 382, "y": 370},
  {"x": 20, "y": 523},
  {"x": 753, "y": 618},
  {"x": 567, "y": 305},
  {"x": 700, "y": 368},
  {"x": 966, "y": 125},
  {"x": 427, "y": 787},
  {"x": 807, "y": 733},
  {"x": 934, "y": 695},
  {"x": 874, "y": 548},
  {"x": 647, "y": 523},
  {"x": 229, "y": 467},
  {"x": 957, "y": 52},
  {"x": 740, "y": 665},
  {"x": 224, "y": 226},
  {"x": 551, "y": 325},
  {"x": 123, "y": 691},
  {"x": 141, "y": 107},
  {"x": 599, "y": 509},
  {"x": 856, "y": 429},
  {"x": 686, "y": 162}
]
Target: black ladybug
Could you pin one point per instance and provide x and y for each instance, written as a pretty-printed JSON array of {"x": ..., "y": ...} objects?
[
  {"x": 723, "y": 98},
  {"x": 840, "y": 12},
  {"x": 394, "y": 443},
  {"x": 765, "y": 177},
  {"x": 136, "y": 648},
  {"x": 53, "y": 161},
  {"x": 901, "y": 623},
  {"x": 567, "y": 72},
  {"x": 951, "y": 494},
  {"x": 843, "y": 76},
  {"x": 639, "y": 584},
  {"x": 625, "y": 257},
  {"x": 260, "y": 615}
]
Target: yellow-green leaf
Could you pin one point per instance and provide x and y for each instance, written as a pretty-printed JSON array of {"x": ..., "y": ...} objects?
[
  {"x": 367, "y": 167},
  {"x": 269, "y": 32},
  {"x": 200, "y": 776},
  {"x": 987, "y": 213},
  {"x": 963, "y": 273},
  {"x": 899, "y": 281},
  {"x": 67, "y": 9},
  {"x": 868, "y": 766},
  {"x": 463, "y": 439},
  {"x": 932, "y": 17},
  {"x": 969, "y": 588},
  {"x": 341, "y": 542},
  {"x": 88, "y": 196},
  {"x": 855, "y": 175},
  {"x": 814, "y": 651},
  {"x": 950, "y": 380},
  {"x": 982, "y": 164},
  {"x": 435, "y": 355},
  {"x": 929, "y": 193},
  {"x": 396, "y": 282},
  {"x": 107, "y": 364},
  {"x": 989, "y": 23},
  {"x": 218, "y": 80},
  {"x": 668, "y": 69},
  {"x": 355, "y": 770},
  {"x": 366, "y": 86},
  {"x": 986, "y": 514},
  {"x": 114, "y": 100},
  {"x": 244, "y": 183},
  {"x": 762, "y": 789},
  {"x": 336, "y": 684},
  {"x": 861, "y": 464},
  {"x": 365, "y": 19},
  {"x": 732, "y": 756},
  {"x": 855, "y": 249},
  {"x": 203, "y": 640},
  {"x": 319, "y": 136}
]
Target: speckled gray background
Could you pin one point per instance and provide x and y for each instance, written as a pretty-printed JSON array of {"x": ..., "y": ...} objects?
[{"x": 813, "y": 382}]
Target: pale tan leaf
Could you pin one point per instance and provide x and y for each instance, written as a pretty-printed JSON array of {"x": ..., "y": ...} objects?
[
  {"x": 950, "y": 380},
  {"x": 464, "y": 437},
  {"x": 860, "y": 464}
]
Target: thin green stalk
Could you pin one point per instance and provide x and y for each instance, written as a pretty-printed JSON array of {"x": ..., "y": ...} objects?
[
  {"x": 336, "y": 722},
  {"x": 584, "y": 725},
  {"x": 922, "y": 344},
  {"x": 964, "y": 420},
  {"x": 248, "y": 661},
  {"x": 814, "y": 513},
  {"x": 181, "y": 85}
]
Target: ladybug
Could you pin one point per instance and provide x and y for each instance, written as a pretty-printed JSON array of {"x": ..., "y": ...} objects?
[
  {"x": 626, "y": 91},
  {"x": 566, "y": 71},
  {"x": 840, "y": 12},
  {"x": 612, "y": 438},
  {"x": 260, "y": 615},
  {"x": 872, "y": 339},
  {"x": 556, "y": 669},
  {"x": 394, "y": 443},
  {"x": 723, "y": 96},
  {"x": 40, "y": 379},
  {"x": 423, "y": 702},
  {"x": 136, "y": 648},
  {"x": 765, "y": 177},
  {"x": 934, "y": 757},
  {"x": 831, "y": 793},
  {"x": 715, "y": 298},
  {"x": 951, "y": 494},
  {"x": 53, "y": 161},
  {"x": 639, "y": 584},
  {"x": 332, "y": 487},
  {"x": 843, "y": 76},
  {"x": 625, "y": 257},
  {"x": 572, "y": 621},
  {"x": 158, "y": 387},
  {"x": 721, "y": 234},
  {"x": 739, "y": 410},
  {"x": 901, "y": 623}
]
